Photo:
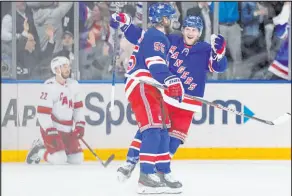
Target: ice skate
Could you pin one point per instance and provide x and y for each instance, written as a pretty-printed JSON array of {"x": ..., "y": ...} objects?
[
  {"x": 174, "y": 185},
  {"x": 125, "y": 171},
  {"x": 151, "y": 184},
  {"x": 32, "y": 155}
]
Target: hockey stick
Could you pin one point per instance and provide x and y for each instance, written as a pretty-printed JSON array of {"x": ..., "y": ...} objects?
[
  {"x": 105, "y": 164},
  {"x": 116, "y": 50},
  {"x": 281, "y": 119}
]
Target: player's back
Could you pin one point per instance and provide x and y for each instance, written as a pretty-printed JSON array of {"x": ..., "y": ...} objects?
[{"x": 145, "y": 54}]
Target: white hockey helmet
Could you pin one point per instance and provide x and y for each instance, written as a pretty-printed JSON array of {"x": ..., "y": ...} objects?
[{"x": 58, "y": 62}]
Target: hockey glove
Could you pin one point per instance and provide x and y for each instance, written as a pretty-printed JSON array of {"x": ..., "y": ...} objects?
[
  {"x": 218, "y": 45},
  {"x": 79, "y": 129},
  {"x": 53, "y": 138},
  {"x": 121, "y": 19},
  {"x": 174, "y": 88}
]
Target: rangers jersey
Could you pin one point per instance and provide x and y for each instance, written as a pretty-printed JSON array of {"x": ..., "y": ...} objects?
[
  {"x": 190, "y": 63},
  {"x": 280, "y": 65},
  {"x": 148, "y": 60},
  {"x": 60, "y": 105}
]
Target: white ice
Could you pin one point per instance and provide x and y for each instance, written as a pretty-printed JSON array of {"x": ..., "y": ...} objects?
[{"x": 200, "y": 178}]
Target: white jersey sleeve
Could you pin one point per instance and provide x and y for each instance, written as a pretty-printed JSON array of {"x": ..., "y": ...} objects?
[
  {"x": 45, "y": 106},
  {"x": 78, "y": 114}
]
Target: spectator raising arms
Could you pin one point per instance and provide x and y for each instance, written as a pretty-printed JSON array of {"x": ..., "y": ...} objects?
[{"x": 49, "y": 13}]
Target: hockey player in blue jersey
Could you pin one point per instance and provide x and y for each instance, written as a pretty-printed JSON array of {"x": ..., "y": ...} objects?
[
  {"x": 280, "y": 66},
  {"x": 190, "y": 60},
  {"x": 148, "y": 62}
]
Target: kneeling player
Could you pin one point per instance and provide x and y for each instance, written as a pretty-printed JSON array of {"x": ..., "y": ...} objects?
[
  {"x": 190, "y": 60},
  {"x": 60, "y": 105}
]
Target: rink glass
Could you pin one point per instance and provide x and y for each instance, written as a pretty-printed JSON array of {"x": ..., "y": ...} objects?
[{"x": 88, "y": 41}]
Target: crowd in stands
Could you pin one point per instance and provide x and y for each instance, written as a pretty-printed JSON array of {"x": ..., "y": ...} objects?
[{"x": 46, "y": 29}]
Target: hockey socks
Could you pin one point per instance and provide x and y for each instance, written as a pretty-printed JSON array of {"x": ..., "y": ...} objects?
[
  {"x": 133, "y": 152},
  {"x": 163, "y": 158},
  {"x": 173, "y": 145},
  {"x": 149, "y": 148}
]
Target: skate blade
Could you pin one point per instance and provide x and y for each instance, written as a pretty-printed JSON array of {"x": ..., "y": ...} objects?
[
  {"x": 121, "y": 177},
  {"x": 145, "y": 190},
  {"x": 173, "y": 191}
]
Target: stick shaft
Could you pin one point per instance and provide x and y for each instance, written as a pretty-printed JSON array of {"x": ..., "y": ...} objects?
[
  {"x": 207, "y": 102},
  {"x": 90, "y": 149},
  {"x": 114, "y": 61}
]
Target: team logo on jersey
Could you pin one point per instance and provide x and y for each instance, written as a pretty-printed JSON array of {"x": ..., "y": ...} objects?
[
  {"x": 185, "y": 51},
  {"x": 65, "y": 100},
  {"x": 174, "y": 55},
  {"x": 172, "y": 49}
]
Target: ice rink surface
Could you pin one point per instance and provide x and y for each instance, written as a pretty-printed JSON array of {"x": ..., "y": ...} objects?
[{"x": 200, "y": 178}]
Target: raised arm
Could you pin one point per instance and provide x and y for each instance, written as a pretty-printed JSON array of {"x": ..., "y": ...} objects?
[{"x": 132, "y": 32}]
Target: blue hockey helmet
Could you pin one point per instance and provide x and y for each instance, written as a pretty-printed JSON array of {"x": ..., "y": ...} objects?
[
  {"x": 159, "y": 10},
  {"x": 195, "y": 22}
]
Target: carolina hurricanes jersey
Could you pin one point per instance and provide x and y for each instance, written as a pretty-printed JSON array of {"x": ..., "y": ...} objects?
[
  {"x": 60, "y": 105},
  {"x": 148, "y": 60},
  {"x": 190, "y": 63}
]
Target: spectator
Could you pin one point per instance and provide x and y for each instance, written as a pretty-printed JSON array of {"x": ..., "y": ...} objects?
[
  {"x": 6, "y": 34},
  {"x": 187, "y": 6},
  {"x": 6, "y": 46},
  {"x": 33, "y": 63},
  {"x": 24, "y": 15},
  {"x": 266, "y": 13},
  {"x": 230, "y": 29},
  {"x": 175, "y": 21},
  {"x": 68, "y": 21},
  {"x": 24, "y": 21},
  {"x": 95, "y": 22},
  {"x": 95, "y": 60},
  {"x": 251, "y": 28},
  {"x": 130, "y": 10},
  {"x": 138, "y": 19},
  {"x": 68, "y": 45},
  {"x": 6, "y": 22},
  {"x": 49, "y": 13}
]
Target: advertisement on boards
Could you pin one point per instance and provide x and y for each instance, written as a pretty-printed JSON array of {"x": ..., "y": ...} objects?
[{"x": 210, "y": 128}]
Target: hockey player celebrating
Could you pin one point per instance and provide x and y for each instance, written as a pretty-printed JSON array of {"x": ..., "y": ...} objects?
[
  {"x": 280, "y": 66},
  {"x": 190, "y": 60},
  {"x": 148, "y": 62},
  {"x": 60, "y": 104}
]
